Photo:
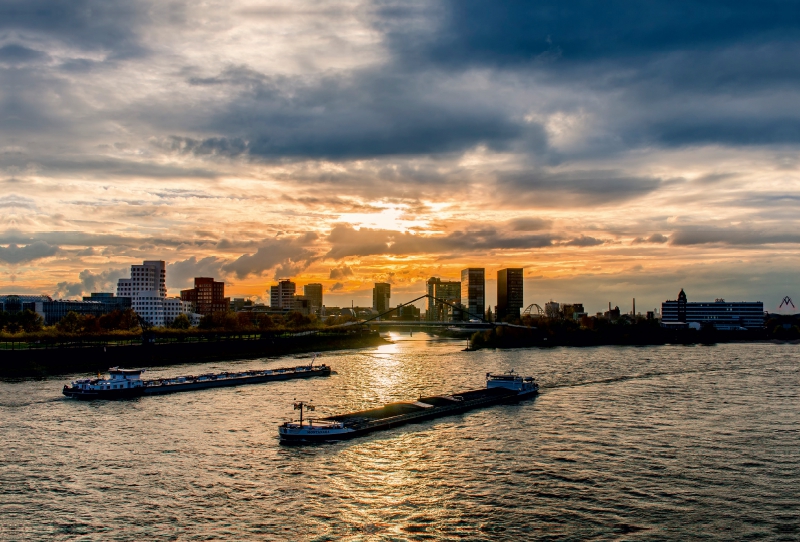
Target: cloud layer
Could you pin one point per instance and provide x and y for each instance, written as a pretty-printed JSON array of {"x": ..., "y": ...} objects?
[{"x": 349, "y": 141}]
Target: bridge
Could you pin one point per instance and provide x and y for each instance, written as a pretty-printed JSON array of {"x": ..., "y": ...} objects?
[{"x": 477, "y": 322}]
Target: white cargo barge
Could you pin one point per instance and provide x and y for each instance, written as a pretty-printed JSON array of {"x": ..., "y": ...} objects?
[{"x": 125, "y": 383}]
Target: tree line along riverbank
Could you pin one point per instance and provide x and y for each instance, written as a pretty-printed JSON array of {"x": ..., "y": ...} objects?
[
  {"x": 75, "y": 353},
  {"x": 559, "y": 332}
]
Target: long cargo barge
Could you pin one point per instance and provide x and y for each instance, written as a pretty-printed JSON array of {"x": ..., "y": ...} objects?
[
  {"x": 500, "y": 388},
  {"x": 127, "y": 383}
]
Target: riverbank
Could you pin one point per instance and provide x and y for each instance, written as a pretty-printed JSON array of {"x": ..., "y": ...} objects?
[
  {"x": 99, "y": 357},
  {"x": 611, "y": 336}
]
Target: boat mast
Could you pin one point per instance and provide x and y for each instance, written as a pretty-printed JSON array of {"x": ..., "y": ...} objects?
[{"x": 300, "y": 406}]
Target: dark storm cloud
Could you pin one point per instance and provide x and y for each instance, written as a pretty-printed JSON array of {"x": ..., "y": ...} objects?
[
  {"x": 346, "y": 241},
  {"x": 341, "y": 272},
  {"x": 481, "y": 32},
  {"x": 181, "y": 274},
  {"x": 732, "y": 237},
  {"x": 18, "y": 54},
  {"x": 730, "y": 59},
  {"x": 290, "y": 255},
  {"x": 14, "y": 254},
  {"x": 547, "y": 189},
  {"x": 656, "y": 238},
  {"x": 224, "y": 146},
  {"x": 583, "y": 241},
  {"x": 105, "y": 281},
  {"x": 82, "y": 239},
  {"x": 364, "y": 114},
  {"x": 99, "y": 165},
  {"x": 529, "y": 224},
  {"x": 107, "y": 25}
]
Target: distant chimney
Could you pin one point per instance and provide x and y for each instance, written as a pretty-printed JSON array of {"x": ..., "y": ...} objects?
[{"x": 634, "y": 306}]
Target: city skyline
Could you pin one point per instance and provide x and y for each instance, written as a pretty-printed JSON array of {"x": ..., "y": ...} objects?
[{"x": 351, "y": 144}]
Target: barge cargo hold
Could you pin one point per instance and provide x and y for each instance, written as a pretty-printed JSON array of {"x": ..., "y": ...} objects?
[
  {"x": 500, "y": 388},
  {"x": 127, "y": 383}
]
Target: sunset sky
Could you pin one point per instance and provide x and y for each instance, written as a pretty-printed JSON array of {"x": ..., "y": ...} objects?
[{"x": 613, "y": 149}]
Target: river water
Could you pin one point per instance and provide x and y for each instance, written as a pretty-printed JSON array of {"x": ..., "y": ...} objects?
[{"x": 634, "y": 443}]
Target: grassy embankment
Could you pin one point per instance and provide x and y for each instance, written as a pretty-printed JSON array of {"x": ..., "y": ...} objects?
[{"x": 51, "y": 352}]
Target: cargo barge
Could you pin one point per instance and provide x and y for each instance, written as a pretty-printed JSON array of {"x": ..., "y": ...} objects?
[
  {"x": 127, "y": 383},
  {"x": 500, "y": 388}
]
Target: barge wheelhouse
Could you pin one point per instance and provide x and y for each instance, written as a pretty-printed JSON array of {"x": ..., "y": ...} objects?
[{"x": 120, "y": 383}]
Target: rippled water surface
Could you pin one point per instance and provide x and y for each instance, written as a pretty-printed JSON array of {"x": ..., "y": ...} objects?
[{"x": 653, "y": 443}]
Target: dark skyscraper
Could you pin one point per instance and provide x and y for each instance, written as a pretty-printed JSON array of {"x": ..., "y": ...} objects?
[
  {"x": 314, "y": 294},
  {"x": 473, "y": 292},
  {"x": 509, "y": 292},
  {"x": 449, "y": 291},
  {"x": 381, "y": 294}
]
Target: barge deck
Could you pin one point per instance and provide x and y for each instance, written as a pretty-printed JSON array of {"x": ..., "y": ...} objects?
[{"x": 505, "y": 388}]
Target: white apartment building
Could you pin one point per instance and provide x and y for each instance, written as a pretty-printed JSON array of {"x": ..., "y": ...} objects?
[
  {"x": 281, "y": 296},
  {"x": 147, "y": 289}
]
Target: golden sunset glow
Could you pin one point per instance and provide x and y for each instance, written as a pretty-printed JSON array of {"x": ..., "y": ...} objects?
[{"x": 251, "y": 143}]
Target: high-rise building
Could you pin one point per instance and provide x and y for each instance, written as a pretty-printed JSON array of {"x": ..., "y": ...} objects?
[
  {"x": 449, "y": 291},
  {"x": 381, "y": 294},
  {"x": 281, "y": 296},
  {"x": 151, "y": 276},
  {"x": 509, "y": 293},
  {"x": 274, "y": 296},
  {"x": 473, "y": 292},
  {"x": 147, "y": 289},
  {"x": 207, "y": 295},
  {"x": 314, "y": 293}
]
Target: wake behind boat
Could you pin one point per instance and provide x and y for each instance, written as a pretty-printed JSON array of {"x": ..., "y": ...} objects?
[
  {"x": 500, "y": 388},
  {"x": 126, "y": 383}
]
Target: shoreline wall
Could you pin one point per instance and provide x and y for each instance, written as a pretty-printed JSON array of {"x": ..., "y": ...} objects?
[{"x": 55, "y": 361}]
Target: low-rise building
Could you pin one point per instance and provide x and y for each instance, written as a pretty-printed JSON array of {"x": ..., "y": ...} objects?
[
  {"x": 15, "y": 303},
  {"x": 52, "y": 311},
  {"x": 572, "y": 311},
  {"x": 208, "y": 296},
  {"x": 723, "y": 315}
]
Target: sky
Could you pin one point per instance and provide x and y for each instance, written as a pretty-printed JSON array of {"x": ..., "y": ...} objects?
[{"x": 614, "y": 150}]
